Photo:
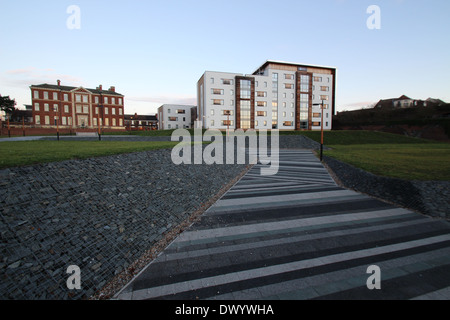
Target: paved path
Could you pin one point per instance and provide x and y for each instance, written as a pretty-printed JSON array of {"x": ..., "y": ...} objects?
[{"x": 297, "y": 235}]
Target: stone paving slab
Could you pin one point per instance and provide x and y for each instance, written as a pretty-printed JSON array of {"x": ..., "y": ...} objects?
[{"x": 297, "y": 235}]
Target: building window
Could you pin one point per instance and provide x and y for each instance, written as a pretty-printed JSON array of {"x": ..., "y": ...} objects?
[
  {"x": 245, "y": 114},
  {"x": 261, "y": 94},
  {"x": 261, "y": 113},
  {"x": 289, "y": 76},
  {"x": 78, "y": 97},
  {"x": 85, "y": 99},
  {"x": 288, "y": 86},
  {"x": 96, "y": 100},
  {"x": 317, "y": 79},
  {"x": 85, "y": 109},
  {"x": 217, "y": 91},
  {"x": 181, "y": 111},
  {"x": 36, "y": 94},
  {"x": 37, "y": 119},
  {"x": 231, "y": 92},
  {"x": 212, "y": 123},
  {"x": 46, "y": 95},
  {"x": 225, "y": 81},
  {"x": 55, "y": 107},
  {"x": 64, "y": 121},
  {"x": 107, "y": 122},
  {"x": 47, "y": 120},
  {"x": 212, "y": 80},
  {"x": 46, "y": 108},
  {"x": 36, "y": 107},
  {"x": 324, "y": 88},
  {"x": 114, "y": 122},
  {"x": 246, "y": 89},
  {"x": 120, "y": 101},
  {"x": 120, "y": 111},
  {"x": 113, "y": 111},
  {"x": 212, "y": 112},
  {"x": 66, "y": 109},
  {"x": 106, "y": 100},
  {"x": 120, "y": 122},
  {"x": 261, "y": 103},
  {"x": 106, "y": 111},
  {"x": 226, "y": 123},
  {"x": 317, "y": 115},
  {"x": 55, "y": 95},
  {"x": 287, "y": 123},
  {"x": 113, "y": 100},
  {"x": 323, "y": 97},
  {"x": 66, "y": 97},
  {"x": 218, "y": 102},
  {"x": 94, "y": 121},
  {"x": 173, "y": 119},
  {"x": 316, "y": 124},
  {"x": 227, "y": 112}
]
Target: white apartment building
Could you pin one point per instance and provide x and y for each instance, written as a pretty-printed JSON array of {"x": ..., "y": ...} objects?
[
  {"x": 278, "y": 95},
  {"x": 174, "y": 116}
]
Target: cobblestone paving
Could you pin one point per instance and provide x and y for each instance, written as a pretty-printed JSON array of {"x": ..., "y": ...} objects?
[{"x": 99, "y": 214}]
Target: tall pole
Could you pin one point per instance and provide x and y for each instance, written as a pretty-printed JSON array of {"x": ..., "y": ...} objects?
[
  {"x": 100, "y": 124},
  {"x": 321, "y": 136}
]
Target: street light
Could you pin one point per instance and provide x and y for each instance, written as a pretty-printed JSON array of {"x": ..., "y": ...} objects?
[
  {"x": 100, "y": 124},
  {"x": 321, "y": 129}
]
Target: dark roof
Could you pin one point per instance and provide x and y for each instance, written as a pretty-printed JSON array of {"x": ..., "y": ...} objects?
[
  {"x": 67, "y": 88},
  {"x": 141, "y": 117}
]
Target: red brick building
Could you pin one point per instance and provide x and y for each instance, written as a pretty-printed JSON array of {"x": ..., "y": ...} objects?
[{"x": 72, "y": 107}]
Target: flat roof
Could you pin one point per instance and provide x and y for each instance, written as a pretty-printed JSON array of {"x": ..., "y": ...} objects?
[{"x": 267, "y": 62}]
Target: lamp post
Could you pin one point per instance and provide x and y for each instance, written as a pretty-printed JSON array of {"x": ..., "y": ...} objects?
[
  {"x": 321, "y": 129},
  {"x": 100, "y": 123}
]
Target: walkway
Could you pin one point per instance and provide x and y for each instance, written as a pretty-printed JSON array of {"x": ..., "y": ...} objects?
[{"x": 297, "y": 235}]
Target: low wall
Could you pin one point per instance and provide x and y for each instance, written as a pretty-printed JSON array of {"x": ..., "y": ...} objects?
[{"x": 427, "y": 197}]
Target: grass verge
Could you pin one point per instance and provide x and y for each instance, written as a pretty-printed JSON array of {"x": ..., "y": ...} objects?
[
  {"x": 404, "y": 161},
  {"x": 23, "y": 153},
  {"x": 389, "y": 155}
]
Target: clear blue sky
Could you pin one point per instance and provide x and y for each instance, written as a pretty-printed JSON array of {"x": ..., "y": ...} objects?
[{"x": 154, "y": 52}]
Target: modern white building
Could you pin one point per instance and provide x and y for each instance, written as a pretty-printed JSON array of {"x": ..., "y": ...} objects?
[
  {"x": 278, "y": 95},
  {"x": 174, "y": 116}
]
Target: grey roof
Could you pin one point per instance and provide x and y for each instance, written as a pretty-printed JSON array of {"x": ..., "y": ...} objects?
[{"x": 68, "y": 88}]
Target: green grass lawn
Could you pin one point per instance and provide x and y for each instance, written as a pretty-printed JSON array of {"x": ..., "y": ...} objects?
[
  {"x": 22, "y": 153},
  {"x": 430, "y": 161},
  {"x": 388, "y": 154}
]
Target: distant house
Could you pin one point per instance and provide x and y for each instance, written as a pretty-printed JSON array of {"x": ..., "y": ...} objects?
[
  {"x": 407, "y": 102},
  {"x": 19, "y": 115},
  {"x": 175, "y": 116},
  {"x": 141, "y": 122}
]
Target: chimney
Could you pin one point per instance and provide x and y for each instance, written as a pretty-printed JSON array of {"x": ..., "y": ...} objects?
[
  {"x": 113, "y": 89},
  {"x": 59, "y": 82},
  {"x": 100, "y": 87}
]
